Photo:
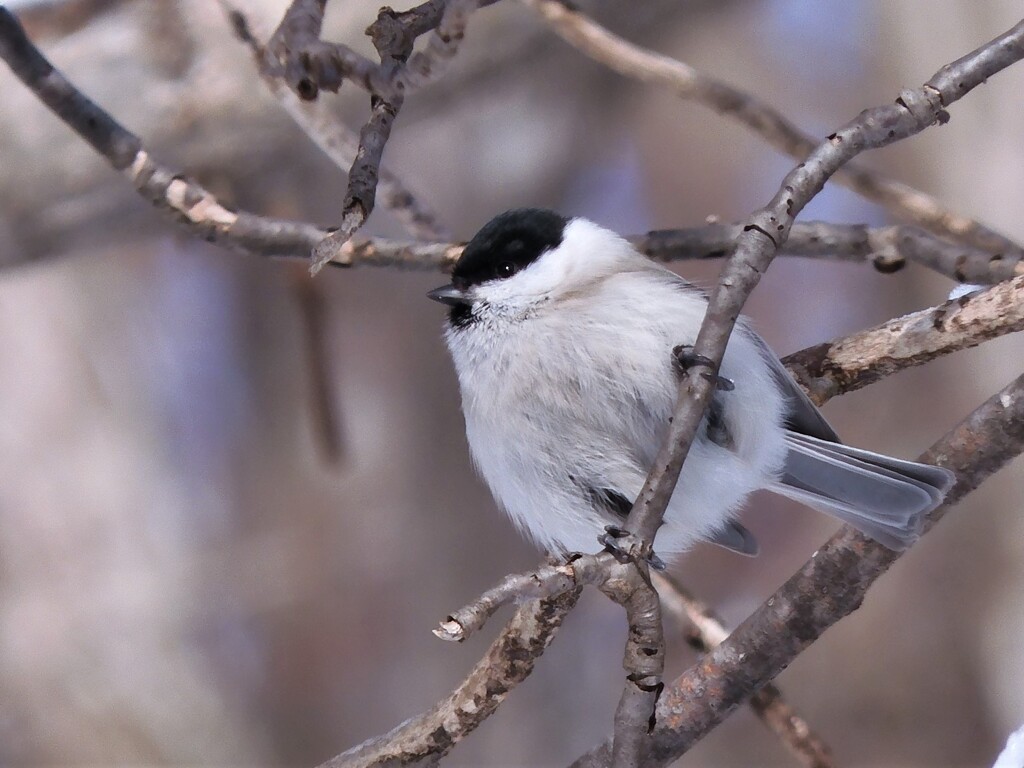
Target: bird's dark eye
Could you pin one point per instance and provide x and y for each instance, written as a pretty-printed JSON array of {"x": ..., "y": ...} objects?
[{"x": 506, "y": 269}]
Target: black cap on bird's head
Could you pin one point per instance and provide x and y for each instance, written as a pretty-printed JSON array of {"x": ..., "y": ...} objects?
[{"x": 507, "y": 244}]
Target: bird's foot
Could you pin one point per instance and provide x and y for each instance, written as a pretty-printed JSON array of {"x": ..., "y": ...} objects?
[
  {"x": 686, "y": 359},
  {"x": 626, "y": 547}
]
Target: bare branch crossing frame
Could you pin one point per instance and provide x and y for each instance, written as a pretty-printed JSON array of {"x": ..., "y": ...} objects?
[{"x": 738, "y": 667}]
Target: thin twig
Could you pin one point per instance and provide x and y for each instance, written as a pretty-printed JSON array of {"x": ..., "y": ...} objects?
[
  {"x": 335, "y": 139},
  {"x": 831, "y": 585},
  {"x": 507, "y": 662},
  {"x": 887, "y": 248},
  {"x": 546, "y": 581},
  {"x": 394, "y": 45},
  {"x": 309, "y": 64},
  {"x": 629, "y": 585},
  {"x": 771, "y": 125},
  {"x": 511, "y": 657},
  {"x": 705, "y": 631}
]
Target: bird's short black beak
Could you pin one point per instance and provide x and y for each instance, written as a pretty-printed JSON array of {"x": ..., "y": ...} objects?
[{"x": 450, "y": 295}]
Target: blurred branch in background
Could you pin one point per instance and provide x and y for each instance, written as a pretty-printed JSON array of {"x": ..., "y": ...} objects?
[
  {"x": 326, "y": 420},
  {"x": 326, "y": 129},
  {"x": 309, "y": 64},
  {"x": 62, "y": 17},
  {"x": 768, "y": 123}
]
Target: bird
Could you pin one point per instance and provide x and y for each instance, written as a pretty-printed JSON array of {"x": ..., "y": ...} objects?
[{"x": 568, "y": 344}]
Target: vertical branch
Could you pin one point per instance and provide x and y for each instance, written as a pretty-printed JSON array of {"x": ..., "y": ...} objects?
[
  {"x": 326, "y": 420},
  {"x": 629, "y": 585}
]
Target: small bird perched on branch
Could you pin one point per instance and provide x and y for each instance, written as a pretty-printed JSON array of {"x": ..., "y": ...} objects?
[{"x": 568, "y": 344}]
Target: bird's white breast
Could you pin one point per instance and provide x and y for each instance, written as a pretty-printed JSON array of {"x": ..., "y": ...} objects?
[{"x": 578, "y": 392}]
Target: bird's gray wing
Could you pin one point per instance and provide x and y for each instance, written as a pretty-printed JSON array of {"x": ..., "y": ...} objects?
[
  {"x": 883, "y": 497},
  {"x": 802, "y": 415},
  {"x": 735, "y": 538}
]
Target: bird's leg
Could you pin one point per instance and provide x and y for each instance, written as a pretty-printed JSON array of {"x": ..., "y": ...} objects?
[
  {"x": 685, "y": 359},
  {"x": 625, "y": 547}
]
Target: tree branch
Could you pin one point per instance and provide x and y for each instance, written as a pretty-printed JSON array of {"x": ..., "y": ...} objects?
[
  {"x": 630, "y": 586},
  {"x": 393, "y": 44},
  {"x": 769, "y": 227},
  {"x": 758, "y": 244},
  {"x": 308, "y": 64},
  {"x": 850, "y": 363},
  {"x": 705, "y": 631},
  {"x": 335, "y": 139},
  {"x": 771, "y": 125},
  {"x": 831, "y": 585},
  {"x": 557, "y": 587},
  {"x": 507, "y": 662},
  {"x": 199, "y": 211}
]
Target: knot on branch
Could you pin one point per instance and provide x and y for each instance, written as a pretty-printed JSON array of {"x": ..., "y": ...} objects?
[
  {"x": 390, "y": 36},
  {"x": 924, "y": 105}
]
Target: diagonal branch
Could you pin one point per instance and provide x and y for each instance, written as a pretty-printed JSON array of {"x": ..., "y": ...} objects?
[
  {"x": 507, "y": 662},
  {"x": 769, "y": 227},
  {"x": 757, "y": 246},
  {"x": 771, "y": 125},
  {"x": 829, "y": 586},
  {"x": 705, "y": 631},
  {"x": 847, "y": 364},
  {"x": 393, "y": 44},
  {"x": 555, "y": 589}
]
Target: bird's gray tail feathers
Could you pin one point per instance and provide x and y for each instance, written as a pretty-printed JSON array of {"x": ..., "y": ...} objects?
[{"x": 882, "y": 497}]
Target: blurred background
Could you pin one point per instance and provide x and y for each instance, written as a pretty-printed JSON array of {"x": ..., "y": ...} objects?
[{"x": 190, "y": 574}]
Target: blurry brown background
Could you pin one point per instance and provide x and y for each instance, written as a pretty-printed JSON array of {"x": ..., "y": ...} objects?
[{"x": 184, "y": 578}]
